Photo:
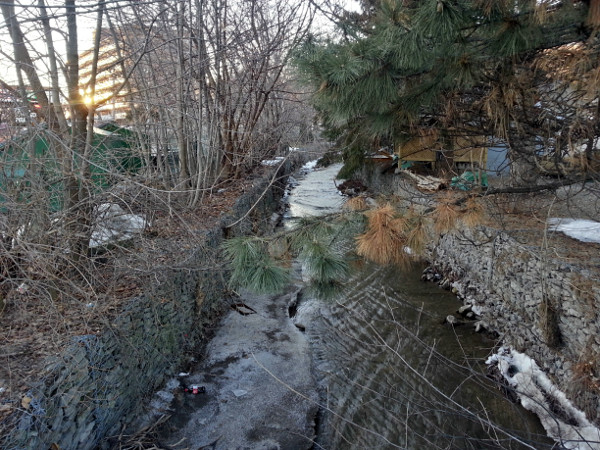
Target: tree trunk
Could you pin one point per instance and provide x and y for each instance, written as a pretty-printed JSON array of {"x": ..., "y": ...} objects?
[
  {"x": 593, "y": 18},
  {"x": 77, "y": 202}
]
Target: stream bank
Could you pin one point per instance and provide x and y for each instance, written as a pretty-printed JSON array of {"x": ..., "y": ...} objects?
[
  {"x": 542, "y": 305},
  {"x": 90, "y": 394}
]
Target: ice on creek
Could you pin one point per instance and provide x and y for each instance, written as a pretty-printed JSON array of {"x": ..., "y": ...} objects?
[
  {"x": 561, "y": 420},
  {"x": 161, "y": 400},
  {"x": 113, "y": 224},
  {"x": 580, "y": 229}
]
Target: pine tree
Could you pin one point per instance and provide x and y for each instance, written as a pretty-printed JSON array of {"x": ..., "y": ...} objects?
[
  {"x": 523, "y": 72},
  {"x": 461, "y": 69}
]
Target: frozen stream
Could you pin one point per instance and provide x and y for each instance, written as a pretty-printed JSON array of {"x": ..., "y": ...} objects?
[{"x": 377, "y": 364}]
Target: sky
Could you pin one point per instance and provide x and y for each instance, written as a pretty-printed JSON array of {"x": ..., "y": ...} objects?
[{"x": 86, "y": 21}]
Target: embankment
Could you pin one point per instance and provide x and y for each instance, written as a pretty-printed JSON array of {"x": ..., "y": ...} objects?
[
  {"x": 538, "y": 303},
  {"x": 100, "y": 383}
]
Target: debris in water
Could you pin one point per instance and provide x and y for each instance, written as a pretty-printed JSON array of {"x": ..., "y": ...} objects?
[
  {"x": 239, "y": 392},
  {"x": 243, "y": 309},
  {"x": 195, "y": 389}
]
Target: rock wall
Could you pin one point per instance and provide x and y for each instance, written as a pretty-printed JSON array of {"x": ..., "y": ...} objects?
[
  {"x": 539, "y": 305},
  {"x": 99, "y": 385}
]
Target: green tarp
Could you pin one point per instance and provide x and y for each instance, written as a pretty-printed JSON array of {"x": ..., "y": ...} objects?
[{"x": 28, "y": 162}]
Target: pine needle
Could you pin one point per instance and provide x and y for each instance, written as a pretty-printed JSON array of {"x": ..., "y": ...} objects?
[
  {"x": 473, "y": 213},
  {"x": 385, "y": 239},
  {"x": 267, "y": 278},
  {"x": 445, "y": 215},
  {"x": 251, "y": 266},
  {"x": 356, "y": 204},
  {"x": 243, "y": 251},
  {"x": 417, "y": 236},
  {"x": 322, "y": 263},
  {"x": 309, "y": 229}
]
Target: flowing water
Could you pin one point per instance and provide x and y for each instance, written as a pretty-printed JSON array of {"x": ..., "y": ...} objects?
[{"x": 392, "y": 374}]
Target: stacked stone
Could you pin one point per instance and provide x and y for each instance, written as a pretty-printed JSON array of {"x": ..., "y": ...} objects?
[{"x": 100, "y": 383}]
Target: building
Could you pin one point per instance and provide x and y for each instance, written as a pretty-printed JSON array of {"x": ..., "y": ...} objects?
[
  {"x": 15, "y": 111},
  {"x": 109, "y": 90},
  {"x": 465, "y": 151}
]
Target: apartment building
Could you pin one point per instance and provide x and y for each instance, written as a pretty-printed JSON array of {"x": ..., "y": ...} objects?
[{"x": 108, "y": 92}]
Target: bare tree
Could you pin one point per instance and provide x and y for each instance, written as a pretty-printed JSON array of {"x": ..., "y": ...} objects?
[{"x": 225, "y": 62}]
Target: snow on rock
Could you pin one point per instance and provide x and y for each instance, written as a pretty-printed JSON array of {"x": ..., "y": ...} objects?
[
  {"x": 113, "y": 224},
  {"x": 272, "y": 162},
  {"x": 477, "y": 309},
  {"x": 162, "y": 399},
  {"x": 580, "y": 229},
  {"x": 561, "y": 420}
]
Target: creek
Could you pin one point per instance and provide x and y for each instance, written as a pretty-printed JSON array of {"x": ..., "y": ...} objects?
[
  {"x": 391, "y": 374},
  {"x": 375, "y": 368}
]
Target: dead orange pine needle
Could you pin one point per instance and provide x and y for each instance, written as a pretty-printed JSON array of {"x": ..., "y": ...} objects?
[
  {"x": 473, "y": 213},
  {"x": 446, "y": 215},
  {"x": 384, "y": 240},
  {"x": 356, "y": 204}
]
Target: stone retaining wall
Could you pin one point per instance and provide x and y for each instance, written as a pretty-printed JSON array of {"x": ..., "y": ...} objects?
[
  {"x": 539, "y": 305},
  {"x": 99, "y": 385}
]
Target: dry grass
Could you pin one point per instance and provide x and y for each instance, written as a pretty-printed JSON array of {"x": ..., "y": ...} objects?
[
  {"x": 147, "y": 439},
  {"x": 586, "y": 373}
]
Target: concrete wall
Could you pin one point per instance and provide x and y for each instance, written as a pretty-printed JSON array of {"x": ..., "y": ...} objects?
[
  {"x": 541, "y": 306},
  {"x": 100, "y": 383}
]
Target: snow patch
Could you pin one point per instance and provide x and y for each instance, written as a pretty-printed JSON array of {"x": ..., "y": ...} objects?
[
  {"x": 162, "y": 399},
  {"x": 239, "y": 392},
  {"x": 580, "y": 229},
  {"x": 272, "y": 162},
  {"x": 113, "y": 224},
  {"x": 561, "y": 420},
  {"x": 310, "y": 165},
  {"x": 477, "y": 309}
]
